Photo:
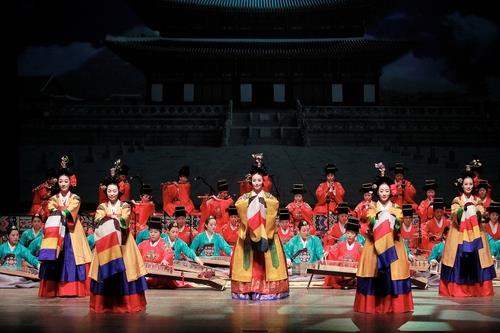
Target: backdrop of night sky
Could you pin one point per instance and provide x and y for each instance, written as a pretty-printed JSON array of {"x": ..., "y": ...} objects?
[{"x": 457, "y": 50}]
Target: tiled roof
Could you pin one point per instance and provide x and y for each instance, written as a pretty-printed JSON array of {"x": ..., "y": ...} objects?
[
  {"x": 260, "y": 47},
  {"x": 264, "y": 5}
]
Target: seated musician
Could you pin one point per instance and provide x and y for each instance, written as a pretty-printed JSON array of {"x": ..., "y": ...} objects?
[
  {"x": 348, "y": 251},
  {"x": 180, "y": 248},
  {"x": 434, "y": 227},
  {"x": 285, "y": 231},
  {"x": 143, "y": 209},
  {"x": 491, "y": 225},
  {"x": 337, "y": 229},
  {"x": 144, "y": 234},
  {"x": 217, "y": 206},
  {"x": 230, "y": 230},
  {"x": 409, "y": 231},
  {"x": 361, "y": 208},
  {"x": 437, "y": 250},
  {"x": 186, "y": 232},
  {"x": 12, "y": 255},
  {"x": 34, "y": 232},
  {"x": 156, "y": 250},
  {"x": 303, "y": 247},
  {"x": 209, "y": 243},
  {"x": 299, "y": 209}
]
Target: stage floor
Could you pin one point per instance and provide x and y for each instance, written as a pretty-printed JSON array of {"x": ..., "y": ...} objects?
[{"x": 207, "y": 310}]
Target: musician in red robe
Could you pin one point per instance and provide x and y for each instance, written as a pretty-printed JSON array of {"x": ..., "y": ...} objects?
[
  {"x": 402, "y": 190},
  {"x": 42, "y": 194},
  {"x": 217, "y": 206},
  {"x": 230, "y": 230},
  {"x": 409, "y": 231},
  {"x": 337, "y": 229},
  {"x": 348, "y": 251},
  {"x": 123, "y": 185},
  {"x": 186, "y": 232},
  {"x": 285, "y": 230},
  {"x": 143, "y": 209},
  {"x": 483, "y": 192},
  {"x": 178, "y": 193},
  {"x": 300, "y": 210},
  {"x": 425, "y": 208},
  {"x": 361, "y": 209},
  {"x": 156, "y": 250},
  {"x": 434, "y": 228},
  {"x": 329, "y": 193},
  {"x": 491, "y": 224}
]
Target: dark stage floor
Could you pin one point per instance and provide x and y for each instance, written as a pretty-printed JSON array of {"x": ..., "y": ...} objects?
[{"x": 208, "y": 310}]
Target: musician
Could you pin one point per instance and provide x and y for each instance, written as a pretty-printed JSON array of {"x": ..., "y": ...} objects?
[
  {"x": 483, "y": 192},
  {"x": 123, "y": 184},
  {"x": 425, "y": 208},
  {"x": 438, "y": 248},
  {"x": 304, "y": 247},
  {"x": 67, "y": 275},
  {"x": 491, "y": 225},
  {"x": 246, "y": 184},
  {"x": 402, "y": 190},
  {"x": 230, "y": 230},
  {"x": 210, "y": 243},
  {"x": 300, "y": 210},
  {"x": 329, "y": 193},
  {"x": 467, "y": 268},
  {"x": 349, "y": 251},
  {"x": 434, "y": 228},
  {"x": 42, "y": 194},
  {"x": 338, "y": 228},
  {"x": 180, "y": 248},
  {"x": 409, "y": 232},
  {"x": 383, "y": 275},
  {"x": 144, "y": 233},
  {"x": 217, "y": 206},
  {"x": 34, "y": 232},
  {"x": 285, "y": 231},
  {"x": 177, "y": 193},
  {"x": 143, "y": 209},
  {"x": 16, "y": 252},
  {"x": 258, "y": 267},
  {"x": 156, "y": 250},
  {"x": 116, "y": 260},
  {"x": 361, "y": 208},
  {"x": 186, "y": 232}
]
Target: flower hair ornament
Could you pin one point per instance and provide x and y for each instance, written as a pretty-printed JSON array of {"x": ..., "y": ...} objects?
[{"x": 458, "y": 182}]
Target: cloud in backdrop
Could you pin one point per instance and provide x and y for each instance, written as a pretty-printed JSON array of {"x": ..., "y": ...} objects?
[{"x": 457, "y": 41}]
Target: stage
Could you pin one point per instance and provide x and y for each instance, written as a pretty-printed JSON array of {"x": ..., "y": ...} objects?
[{"x": 203, "y": 309}]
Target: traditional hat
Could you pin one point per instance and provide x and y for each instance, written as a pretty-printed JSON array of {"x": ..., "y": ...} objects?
[
  {"x": 184, "y": 171},
  {"x": 399, "y": 168},
  {"x": 232, "y": 210},
  {"x": 298, "y": 189},
  {"x": 407, "y": 210},
  {"x": 222, "y": 185},
  {"x": 366, "y": 187},
  {"x": 483, "y": 183},
  {"x": 284, "y": 214},
  {"x": 430, "y": 184},
  {"x": 146, "y": 189},
  {"x": 438, "y": 203},
  {"x": 494, "y": 207},
  {"x": 352, "y": 224},
  {"x": 155, "y": 222},
  {"x": 180, "y": 211},
  {"x": 330, "y": 168},
  {"x": 343, "y": 208}
]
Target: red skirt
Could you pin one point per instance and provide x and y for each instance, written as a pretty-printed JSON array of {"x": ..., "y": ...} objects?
[{"x": 383, "y": 304}]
